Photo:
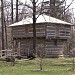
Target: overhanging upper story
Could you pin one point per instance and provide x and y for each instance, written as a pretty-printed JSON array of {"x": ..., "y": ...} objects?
[{"x": 46, "y": 26}]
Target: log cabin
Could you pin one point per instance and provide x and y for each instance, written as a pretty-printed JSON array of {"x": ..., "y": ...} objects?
[{"x": 51, "y": 36}]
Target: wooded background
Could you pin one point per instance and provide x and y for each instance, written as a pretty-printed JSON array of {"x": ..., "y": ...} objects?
[{"x": 12, "y": 12}]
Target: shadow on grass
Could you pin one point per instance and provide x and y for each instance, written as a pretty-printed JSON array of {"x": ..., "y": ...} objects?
[
  {"x": 25, "y": 62},
  {"x": 57, "y": 65},
  {"x": 68, "y": 61}
]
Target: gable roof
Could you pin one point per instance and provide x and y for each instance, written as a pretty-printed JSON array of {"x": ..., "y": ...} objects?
[{"x": 41, "y": 19}]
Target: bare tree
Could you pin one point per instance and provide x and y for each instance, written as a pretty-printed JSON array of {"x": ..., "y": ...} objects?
[
  {"x": 6, "y": 44},
  {"x": 2, "y": 22},
  {"x": 34, "y": 27},
  {"x": 12, "y": 10},
  {"x": 16, "y": 10}
]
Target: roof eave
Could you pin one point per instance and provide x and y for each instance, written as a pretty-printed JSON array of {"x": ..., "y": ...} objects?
[{"x": 40, "y": 23}]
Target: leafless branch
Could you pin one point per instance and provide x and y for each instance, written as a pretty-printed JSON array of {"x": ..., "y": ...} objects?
[
  {"x": 41, "y": 9},
  {"x": 69, "y": 5}
]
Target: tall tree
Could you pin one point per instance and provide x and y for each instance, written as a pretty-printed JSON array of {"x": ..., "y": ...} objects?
[
  {"x": 2, "y": 22},
  {"x": 5, "y": 28},
  {"x": 16, "y": 10},
  {"x": 12, "y": 10},
  {"x": 34, "y": 27}
]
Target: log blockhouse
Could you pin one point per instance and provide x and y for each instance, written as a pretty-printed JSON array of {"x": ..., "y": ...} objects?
[{"x": 52, "y": 35}]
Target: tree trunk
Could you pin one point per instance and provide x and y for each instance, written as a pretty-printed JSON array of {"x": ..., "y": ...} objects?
[
  {"x": 34, "y": 27},
  {"x": 2, "y": 22},
  {"x": 16, "y": 10},
  {"x": 5, "y": 34},
  {"x": 12, "y": 10}
]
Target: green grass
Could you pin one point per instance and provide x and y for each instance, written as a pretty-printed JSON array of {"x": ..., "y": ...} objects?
[{"x": 52, "y": 66}]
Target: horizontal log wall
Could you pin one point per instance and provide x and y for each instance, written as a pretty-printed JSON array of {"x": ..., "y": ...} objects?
[
  {"x": 54, "y": 50},
  {"x": 42, "y": 30},
  {"x": 26, "y": 45},
  {"x": 62, "y": 31},
  {"x": 19, "y": 31},
  {"x": 49, "y": 49},
  {"x": 27, "y": 31},
  {"x": 51, "y": 30}
]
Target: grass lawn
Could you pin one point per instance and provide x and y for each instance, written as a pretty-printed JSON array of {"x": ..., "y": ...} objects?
[{"x": 51, "y": 66}]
